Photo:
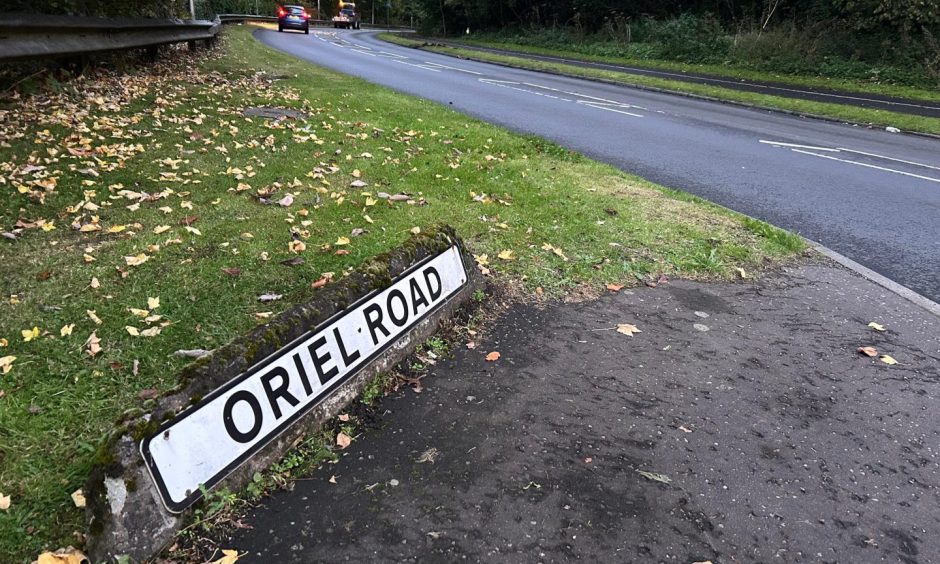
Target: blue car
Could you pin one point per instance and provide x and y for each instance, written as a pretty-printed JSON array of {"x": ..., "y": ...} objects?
[{"x": 293, "y": 17}]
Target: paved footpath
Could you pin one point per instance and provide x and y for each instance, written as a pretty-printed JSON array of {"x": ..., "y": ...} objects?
[{"x": 780, "y": 442}]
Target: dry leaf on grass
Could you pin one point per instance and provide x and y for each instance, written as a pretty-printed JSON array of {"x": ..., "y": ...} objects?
[
  {"x": 68, "y": 555},
  {"x": 4, "y": 502},
  {"x": 78, "y": 498}
]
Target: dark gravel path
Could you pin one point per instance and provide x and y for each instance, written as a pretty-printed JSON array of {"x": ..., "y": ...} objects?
[{"x": 781, "y": 442}]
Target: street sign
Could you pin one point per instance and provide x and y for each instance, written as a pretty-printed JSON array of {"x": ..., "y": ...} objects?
[{"x": 204, "y": 443}]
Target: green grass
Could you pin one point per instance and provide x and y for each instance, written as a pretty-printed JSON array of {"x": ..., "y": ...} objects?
[
  {"x": 501, "y": 191},
  {"x": 852, "y": 114}
]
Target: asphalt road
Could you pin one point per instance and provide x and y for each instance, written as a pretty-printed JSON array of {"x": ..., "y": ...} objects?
[
  {"x": 871, "y": 195},
  {"x": 864, "y": 100}
]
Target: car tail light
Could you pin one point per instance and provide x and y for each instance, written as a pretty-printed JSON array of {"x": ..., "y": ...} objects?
[
  {"x": 306, "y": 16},
  {"x": 280, "y": 12}
]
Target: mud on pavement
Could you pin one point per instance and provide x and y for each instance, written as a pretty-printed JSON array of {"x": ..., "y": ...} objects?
[{"x": 761, "y": 435}]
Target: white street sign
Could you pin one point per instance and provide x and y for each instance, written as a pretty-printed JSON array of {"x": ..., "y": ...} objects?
[{"x": 203, "y": 444}]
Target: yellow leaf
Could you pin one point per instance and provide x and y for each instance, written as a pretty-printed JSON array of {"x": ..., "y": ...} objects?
[
  {"x": 627, "y": 329},
  {"x": 166, "y": 209},
  {"x": 138, "y": 312},
  {"x": 876, "y": 326},
  {"x": 505, "y": 255},
  {"x": 296, "y": 246},
  {"x": 482, "y": 260},
  {"x": 30, "y": 334},
  {"x": 93, "y": 316},
  {"x": 4, "y": 502},
  {"x": 415, "y": 230},
  {"x": 87, "y": 258},
  {"x": 6, "y": 364},
  {"x": 68, "y": 555},
  {"x": 153, "y": 303},
  {"x": 152, "y": 332},
  {"x": 160, "y": 229},
  {"x": 116, "y": 228},
  {"x": 356, "y": 173},
  {"x": 132, "y": 330},
  {"x": 94, "y": 283},
  {"x": 887, "y": 359},
  {"x": 370, "y": 201},
  {"x": 342, "y": 241},
  {"x": 136, "y": 260},
  {"x": 66, "y": 330},
  {"x": 48, "y": 226},
  {"x": 368, "y": 219},
  {"x": 78, "y": 498},
  {"x": 230, "y": 557},
  {"x": 193, "y": 230}
]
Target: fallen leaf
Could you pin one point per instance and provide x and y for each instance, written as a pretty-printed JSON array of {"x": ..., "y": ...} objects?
[
  {"x": 6, "y": 363},
  {"x": 160, "y": 229},
  {"x": 230, "y": 557},
  {"x": 44, "y": 275},
  {"x": 78, "y": 498},
  {"x": 493, "y": 356},
  {"x": 30, "y": 334},
  {"x": 232, "y": 271},
  {"x": 887, "y": 359},
  {"x": 615, "y": 287},
  {"x": 136, "y": 260},
  {"x": 263, "y": 314},
  {"x": 868, "y": 351},
  {"x": 627, "y": 329},
  {"x": 295, "y": 261},
  {"x": 342, "y": 241},
  {"x": 95, "y": 284},
  {"x": 876, "y": 326},
  {"x": 93, "y": 344},
  {"x": 132, "y": 330},
  {"x": 588, "y": 460},
  {"x": 286, "y": 200},
  {"x": 153, "y": 303},
  {"x": 741, "y": 272},
  {"x": 415, "y": 230},
  {"x": 296, "y": 246},
  {"x": 148, "y": 394},
  {"x": 481, "y": 260},
  {"x": 68, "y": 555},
  {"x": 93, "y": 316},
  {"x": 152, "y": 332},
  {"x": 654, "y": 476},
  {"x": 264, "y": 298},
  {"x": 332, "y": 479},
  {"x": 320, "y": 282},
  {"x": 343, "y": 440},
  {"x": 505, "y": 255},
  {"x": 4, "y": 502},
  {"x": 190, "y": 353},
  {"x": 344, "y": 417}
]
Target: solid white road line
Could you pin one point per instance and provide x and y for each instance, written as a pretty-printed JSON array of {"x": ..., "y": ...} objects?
[
  {"x": 888, "y": 158},
  {"x": 453, "y": 68},
  {"x": 811, "y": 147},
  {"x": 601, "y": 106},
  {"x": 586, "y": 96},
  {"x": 830, "y": 157}
]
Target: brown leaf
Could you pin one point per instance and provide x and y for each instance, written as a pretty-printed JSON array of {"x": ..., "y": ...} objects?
[
  {"x": 295, "y": 261},
  {"x": 148, "y": 394},
  {"x": 44, "y": 275},
  {"x": 627, "y": 329},
  {"x": 189, "y": 220},
  {"x": 321, "y": 282},
  {"x": 342, "y": 252},
  {"x": 344, "y": 417},
  {"x": 343, "y": 440},
  {"x": 68, "y": 555},
  {"x": 493, "y": 356},
  {"x": 615, "y": 287},
  {"x": 868, "y": 351},
  {"x": 232, "y": 271}
]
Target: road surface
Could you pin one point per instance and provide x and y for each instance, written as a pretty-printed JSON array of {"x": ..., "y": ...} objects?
[{"x": 871, "y": 195}]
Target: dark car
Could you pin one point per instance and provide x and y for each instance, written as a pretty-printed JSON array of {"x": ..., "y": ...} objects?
[{"x": 293, "y": 17}]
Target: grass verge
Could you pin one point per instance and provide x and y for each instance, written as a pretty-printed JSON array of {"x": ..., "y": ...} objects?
[
  {"x": 852, "y": 114},
  {"x": 144, "y": 214}
]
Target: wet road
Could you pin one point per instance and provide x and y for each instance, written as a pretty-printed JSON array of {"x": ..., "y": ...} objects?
[{"x": 871, "y": 195}]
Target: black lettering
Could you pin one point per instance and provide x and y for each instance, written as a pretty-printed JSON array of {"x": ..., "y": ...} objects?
[
  {"x": 347, "y": 358},
  {"x": 404, "y": 308},
  {"x": 375, "y": 323},
  {"x": 230, "y": 427},
  {"x": 428, "y": 273},
  {"x": 320, "y": 360},
  {"x": 302, "y": 372},
  {"x": 280, "y": 392},
  {"x": 417, "y": 296}
]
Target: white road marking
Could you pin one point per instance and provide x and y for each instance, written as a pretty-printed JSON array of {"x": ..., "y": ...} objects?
[
  {"x": 453, "y": 68},
  {"x": 811, "y": 147},
  {"x": 830, "y": 157},
  {"x": 586, "y": 96},
  {"x": 888, "y": 158},
  {"x": 393, "y": 55},
  {"x": 494, "y": 81},
  {"x": 604, "y": 106},
  {"x": 418, "y": 66},
  {"x": 363, "y": 52}
]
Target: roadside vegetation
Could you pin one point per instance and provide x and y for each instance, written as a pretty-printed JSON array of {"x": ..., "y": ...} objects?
[
  {"x": 144, "y": 215},
  {"x": 847, "y": 113}
]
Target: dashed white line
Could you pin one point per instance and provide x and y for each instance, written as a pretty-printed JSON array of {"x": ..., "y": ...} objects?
[
  {"x": 418, "y": 66},
  {"x": 889, "y": 158},
  {"x": 811, "y": 147},
  {"x": 604, "y": 106},
  {"x": 867, "y": 165},
  {"x": 453, "y": 68}
]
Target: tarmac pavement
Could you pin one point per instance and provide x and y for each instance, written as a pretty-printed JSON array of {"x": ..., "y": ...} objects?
[{"x": 763, "y": 434}]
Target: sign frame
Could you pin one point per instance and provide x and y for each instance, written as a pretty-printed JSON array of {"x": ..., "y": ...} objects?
[{"x": 176, "y": 507}]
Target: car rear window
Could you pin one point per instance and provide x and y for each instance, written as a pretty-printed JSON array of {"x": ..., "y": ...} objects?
[{"x": 295, "y": 10}]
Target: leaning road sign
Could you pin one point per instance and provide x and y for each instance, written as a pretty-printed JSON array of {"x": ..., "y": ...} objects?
[{"x": 201, "y": 445}]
